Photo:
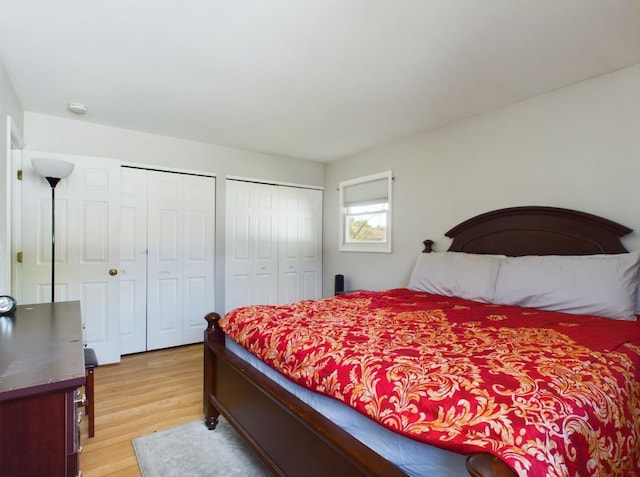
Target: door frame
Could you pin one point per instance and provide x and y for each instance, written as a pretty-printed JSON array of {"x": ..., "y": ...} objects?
[{"x": 12, "y": 193}]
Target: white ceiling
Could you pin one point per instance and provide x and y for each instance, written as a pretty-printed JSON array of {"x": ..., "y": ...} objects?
[{"x": 312, "y": 79}]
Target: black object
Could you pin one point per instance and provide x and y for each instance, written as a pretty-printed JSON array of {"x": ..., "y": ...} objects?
[
  {"x": 339, "y": 284},
  {"x": 90, "y": 362}
]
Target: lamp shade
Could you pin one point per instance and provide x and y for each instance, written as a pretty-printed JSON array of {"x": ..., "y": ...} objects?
[{"x": 54, "y": 168}]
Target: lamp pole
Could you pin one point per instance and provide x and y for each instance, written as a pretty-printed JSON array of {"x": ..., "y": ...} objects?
[
  {"x": 52, "y": 170},
  {"x": 53, "y": 182}
]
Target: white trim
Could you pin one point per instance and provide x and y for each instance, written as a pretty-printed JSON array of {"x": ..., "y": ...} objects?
[
  {"x": 13, "y": 141},
  {"x": 269, "y": 182},
  {"x": 16, "y": 138},
  {"x": 5, "y": 260},
  {"x": 16, "y": 220},
  {"x": 150, "y": 167}
]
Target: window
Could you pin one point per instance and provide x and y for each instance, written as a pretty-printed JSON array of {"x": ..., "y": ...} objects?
[{"x": 365, "y": 213}]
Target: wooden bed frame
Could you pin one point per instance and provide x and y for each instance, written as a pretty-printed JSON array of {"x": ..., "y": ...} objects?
[{"x": 292, "y": 439}]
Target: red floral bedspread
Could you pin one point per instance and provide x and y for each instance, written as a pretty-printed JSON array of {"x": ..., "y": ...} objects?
[{"x": 551, "y": 394}]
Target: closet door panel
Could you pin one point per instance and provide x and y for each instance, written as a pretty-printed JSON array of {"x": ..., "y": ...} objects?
[
  {"x": 237, "y": 290},
  {"x": 196, "y": 294},
  {"x": 264, "y": 211},
  {"x": 238, "y": 260},
  {"x": 311, "y": 243},
  {"x": 265, "y": 258},
  {"x": 300, "y": 249},
  {"x": 165, "y": 260},
  {"x": 263, "y": 289},
  {"x": 289, "y": 287},
  {"x": 128, "y": 333},
  {"x": 289, "y": 257},
  {"x": 133, "y": 261},
  {"x": 198, "y": 262},
  {"x": 165, "y": 328},
  {"x": 311, "y": 281}
]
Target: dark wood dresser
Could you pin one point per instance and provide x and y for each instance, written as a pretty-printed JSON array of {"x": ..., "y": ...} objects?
[{"x": 41, "y": 368}]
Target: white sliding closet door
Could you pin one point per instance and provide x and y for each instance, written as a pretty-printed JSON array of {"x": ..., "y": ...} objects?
[
  {"x": 87, "y": 209},
  {"x": 180, "y": 267},
  {"x": 273, "y": 244}
]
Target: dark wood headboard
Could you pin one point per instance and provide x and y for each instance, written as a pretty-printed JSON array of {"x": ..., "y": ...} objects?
[{"x": 536, "y": 230}]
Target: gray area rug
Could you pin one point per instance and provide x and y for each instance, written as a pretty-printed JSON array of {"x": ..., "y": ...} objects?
[{"x": 191, "y": 450}]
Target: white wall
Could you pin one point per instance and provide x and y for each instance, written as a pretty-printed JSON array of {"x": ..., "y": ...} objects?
[
  {"x": 9, "y": 102},
  {"x": 9, "y": 106},
  {"x": 577, "y": 147},
  {"x": 53, "y": 134}
]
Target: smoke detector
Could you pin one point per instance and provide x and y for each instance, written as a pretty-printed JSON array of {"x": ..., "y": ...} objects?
[{"x": 77, "y": 108}]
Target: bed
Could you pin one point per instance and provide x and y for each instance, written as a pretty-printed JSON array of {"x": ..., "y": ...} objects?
[{"x": 293, "y": 438}]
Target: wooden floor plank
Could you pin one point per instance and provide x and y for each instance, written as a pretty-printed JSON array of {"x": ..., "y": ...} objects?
[{"x": 144, "y": 393}]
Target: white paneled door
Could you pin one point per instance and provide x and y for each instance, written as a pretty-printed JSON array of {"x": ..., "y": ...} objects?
[
  {"x": 273, "y": 244},
  {"x": 87, "y": 244},
  {"x": 180, "y": 262}
]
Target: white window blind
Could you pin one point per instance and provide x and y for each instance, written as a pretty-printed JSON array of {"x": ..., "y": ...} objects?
[{"x": 372, "y": 192}]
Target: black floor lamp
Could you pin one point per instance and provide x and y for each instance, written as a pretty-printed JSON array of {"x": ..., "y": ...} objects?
[{"x": 52, "y": 170}]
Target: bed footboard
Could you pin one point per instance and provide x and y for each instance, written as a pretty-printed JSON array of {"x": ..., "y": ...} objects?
[{"x": 291, "y": 438}]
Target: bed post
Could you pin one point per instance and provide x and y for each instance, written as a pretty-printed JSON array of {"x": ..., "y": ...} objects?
[
  {"x": 483, "y": 464},
  {"x": 428, "y": 246},
  {"x": 212, "y": 335}
]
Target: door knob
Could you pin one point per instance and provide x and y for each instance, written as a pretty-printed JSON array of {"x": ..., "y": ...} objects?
[{"x": 113, "y": 272}]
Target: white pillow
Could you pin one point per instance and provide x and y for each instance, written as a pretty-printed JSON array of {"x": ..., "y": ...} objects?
[
  {"x": 464, "y": 275},
  {"x": 602, "y": 285}
]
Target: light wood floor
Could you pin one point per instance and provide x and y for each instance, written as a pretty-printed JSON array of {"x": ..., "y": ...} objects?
[{"x": 144, "y": 393}]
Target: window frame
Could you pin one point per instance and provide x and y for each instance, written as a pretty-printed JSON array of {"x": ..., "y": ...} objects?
[{"x": 349, "y": 246}]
